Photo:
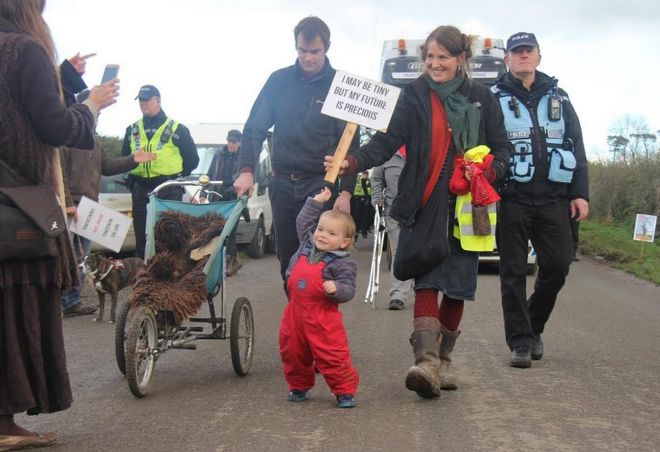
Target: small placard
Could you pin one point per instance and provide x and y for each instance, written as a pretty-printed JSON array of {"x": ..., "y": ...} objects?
[
  {"x": 645, "y": 227},
  {"x": 101, "y": 224},
  {"x": 361, "y": 101}
]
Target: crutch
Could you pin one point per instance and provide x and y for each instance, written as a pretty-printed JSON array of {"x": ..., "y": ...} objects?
[{"x": 376, "y": 255}]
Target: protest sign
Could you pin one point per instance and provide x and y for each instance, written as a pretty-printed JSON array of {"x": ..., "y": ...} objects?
[
  {"x": 645, "y": 228},
  {"x": 361, "y": 101},
  {"x": 358, "y": 101},
  {"x": 101, "y": 224}
]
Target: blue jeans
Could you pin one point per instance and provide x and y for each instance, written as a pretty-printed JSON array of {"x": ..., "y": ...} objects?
[{"x": 81, "y": 247}]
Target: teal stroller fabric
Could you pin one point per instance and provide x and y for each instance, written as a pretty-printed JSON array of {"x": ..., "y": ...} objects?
[{"x": 230, "y": 210}]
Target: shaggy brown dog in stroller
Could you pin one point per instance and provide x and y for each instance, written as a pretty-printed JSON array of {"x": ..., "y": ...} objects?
[{"x": 173, "y": 281}]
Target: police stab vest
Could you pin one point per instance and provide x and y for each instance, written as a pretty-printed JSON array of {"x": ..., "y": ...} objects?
[
  {"x": 520, "y": 127},
  {"x": 359, "y": 191},
  {"x": 168, "y": 161},
  {"x": 464, "y": 230}
]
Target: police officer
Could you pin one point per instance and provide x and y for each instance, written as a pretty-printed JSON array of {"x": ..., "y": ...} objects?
[
  {"x": 547, "y": 183},
  {"x": 176, "y": 155}
]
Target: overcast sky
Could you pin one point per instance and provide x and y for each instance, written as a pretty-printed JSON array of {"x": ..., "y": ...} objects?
[{"x": 210, "y": 58}]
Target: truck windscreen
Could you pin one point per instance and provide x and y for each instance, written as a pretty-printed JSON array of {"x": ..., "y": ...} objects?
[{"x": 401, "y": 70}]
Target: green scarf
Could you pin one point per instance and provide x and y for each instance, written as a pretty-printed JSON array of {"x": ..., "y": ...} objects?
[{"x": 464, "y": 118}]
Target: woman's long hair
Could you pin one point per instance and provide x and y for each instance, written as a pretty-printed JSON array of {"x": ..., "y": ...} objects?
[{"x": 26, "y": 16}]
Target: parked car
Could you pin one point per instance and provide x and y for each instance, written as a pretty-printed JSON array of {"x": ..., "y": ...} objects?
[{"x": 115, "y": 195}]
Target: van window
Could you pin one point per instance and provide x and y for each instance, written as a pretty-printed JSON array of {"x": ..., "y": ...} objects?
[
  {"x": 264, "y": 170},
  {"x": 114, "y": 184},
  {"x": 206, "y": 154}
]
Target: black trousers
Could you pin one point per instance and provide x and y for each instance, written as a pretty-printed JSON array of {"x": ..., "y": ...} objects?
[
  {"x": 287, "y": 198},
  {"x": 575, "y": 235},
  {"x": 140, "y": 198},
  {"x": 547, "y": 226},
  {"x": 363, "y": 213}
]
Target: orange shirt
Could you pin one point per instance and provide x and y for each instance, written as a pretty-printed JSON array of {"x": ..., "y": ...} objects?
[{"x": 440, "y": 138}]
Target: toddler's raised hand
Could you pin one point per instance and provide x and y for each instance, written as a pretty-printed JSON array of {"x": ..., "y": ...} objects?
[{"x": 323, "y": 196}]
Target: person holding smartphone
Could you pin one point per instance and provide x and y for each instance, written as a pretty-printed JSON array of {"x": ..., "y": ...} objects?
[
  {"x": 176, "y": 155},
  {"x": 34, "y": 121}
]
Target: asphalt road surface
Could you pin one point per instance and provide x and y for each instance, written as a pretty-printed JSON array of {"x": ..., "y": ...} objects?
[{"x": 596, "y": 388}]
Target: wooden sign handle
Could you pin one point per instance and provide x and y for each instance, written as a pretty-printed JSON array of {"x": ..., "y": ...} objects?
[{"x": 341, "y": 151}]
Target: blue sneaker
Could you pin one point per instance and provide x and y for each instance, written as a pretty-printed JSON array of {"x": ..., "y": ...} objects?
[
  {"x": 346, "y": 401},
  {"x": 297, "y": 395}
]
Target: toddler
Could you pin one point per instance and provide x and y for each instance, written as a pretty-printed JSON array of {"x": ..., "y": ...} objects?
[{"x": 319, "y": 277}]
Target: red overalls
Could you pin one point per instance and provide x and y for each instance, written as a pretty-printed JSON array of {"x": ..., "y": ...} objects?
[{"x": 312, "y": 333}]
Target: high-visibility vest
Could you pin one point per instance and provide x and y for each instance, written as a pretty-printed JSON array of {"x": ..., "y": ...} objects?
[
  {"x": 169, "y": 161},
  {"x": 359, "y": 191},
  {"x": 464, "y": 230},
  {"x": 521, "y": 125}
]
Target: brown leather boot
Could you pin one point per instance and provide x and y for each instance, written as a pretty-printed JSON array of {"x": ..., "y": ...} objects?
[
  {"x": 448, "y": 338},
  {"x": 423, "y": 376}
]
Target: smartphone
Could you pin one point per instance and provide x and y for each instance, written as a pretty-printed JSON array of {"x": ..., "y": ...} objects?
[{"x": 110, "y": 73}]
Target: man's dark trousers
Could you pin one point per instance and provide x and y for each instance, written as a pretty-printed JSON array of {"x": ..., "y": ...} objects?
[
  {"x": 287, "y": 198},
  {"x": 548, "y": 228}
]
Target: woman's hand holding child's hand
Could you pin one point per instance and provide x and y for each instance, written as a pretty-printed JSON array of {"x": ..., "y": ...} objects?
[{"x": 329, "y": 286}]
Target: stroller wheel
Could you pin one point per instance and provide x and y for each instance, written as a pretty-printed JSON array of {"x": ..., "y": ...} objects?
[
  {"x": 241, "y": 336},
  {"x": 141, "y": 351}
]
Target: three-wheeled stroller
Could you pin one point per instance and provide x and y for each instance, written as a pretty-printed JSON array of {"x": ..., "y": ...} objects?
[{"x": 143, "y": 333}]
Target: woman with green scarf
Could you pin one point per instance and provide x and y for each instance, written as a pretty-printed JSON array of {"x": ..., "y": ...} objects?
[{"x": 438, "y": 116}]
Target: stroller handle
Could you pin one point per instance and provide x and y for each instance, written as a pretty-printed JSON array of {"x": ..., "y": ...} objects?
[{"x": 203, "y": 181}]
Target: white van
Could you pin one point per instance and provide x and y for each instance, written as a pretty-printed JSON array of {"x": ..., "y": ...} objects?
[{"x": 258, "y": 235}]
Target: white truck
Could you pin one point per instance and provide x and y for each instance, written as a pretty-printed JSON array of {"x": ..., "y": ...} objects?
[{"x": 401, "y": 60}]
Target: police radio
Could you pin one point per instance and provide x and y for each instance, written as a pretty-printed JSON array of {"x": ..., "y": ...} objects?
[
  {"x": 554, "y": 107},
  {"x": 514, "y": 106}
]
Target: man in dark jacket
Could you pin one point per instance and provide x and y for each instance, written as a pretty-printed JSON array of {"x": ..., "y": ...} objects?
[
  {"x": 224, "y": 167},
  {"x": 547, "y": 183},
  {"x": 291, "y": 101},
  {"x": 176, "y": 155}
]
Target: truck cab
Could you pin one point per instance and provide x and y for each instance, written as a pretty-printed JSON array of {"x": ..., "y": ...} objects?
[{"x": 401, "y": 60}]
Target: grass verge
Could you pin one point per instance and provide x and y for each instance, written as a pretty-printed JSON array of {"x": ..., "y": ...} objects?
[{"x": 614, "y": 243}]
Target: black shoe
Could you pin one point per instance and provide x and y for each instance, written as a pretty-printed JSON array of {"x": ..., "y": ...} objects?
[
  {"x": 537, "y": 348},
  {"x": 521, "y": 357},
  {"x": 346, "y": 401},
  {"x": 78, "y": 309},
  {"x": 297, "y": 395},
  {"x": 396, "y": 305},
  {"x": 364, "y": 234}
]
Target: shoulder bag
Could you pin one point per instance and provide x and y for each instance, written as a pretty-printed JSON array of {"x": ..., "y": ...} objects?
[{"x": 31, "y": 218}]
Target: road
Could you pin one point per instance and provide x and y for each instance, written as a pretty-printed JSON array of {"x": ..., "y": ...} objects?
[{"x": 597, "y": 387}]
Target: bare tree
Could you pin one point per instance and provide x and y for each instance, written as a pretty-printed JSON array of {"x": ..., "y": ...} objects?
[{"x": 631, "y": 137}]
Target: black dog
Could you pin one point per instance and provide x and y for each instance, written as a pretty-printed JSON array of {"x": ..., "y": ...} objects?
[{"x": 110, "y": 276}]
